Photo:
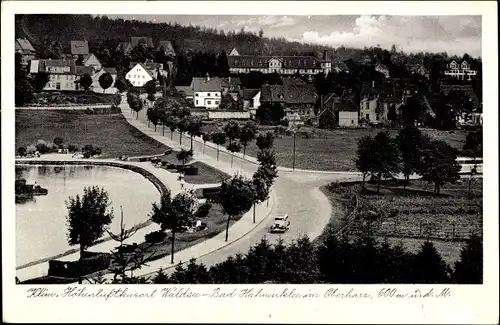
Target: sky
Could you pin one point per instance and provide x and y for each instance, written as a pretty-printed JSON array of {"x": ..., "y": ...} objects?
[{"x": 452, "y": 34}]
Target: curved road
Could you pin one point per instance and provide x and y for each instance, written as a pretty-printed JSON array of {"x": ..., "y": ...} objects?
[{"x": 296, "y": 193}]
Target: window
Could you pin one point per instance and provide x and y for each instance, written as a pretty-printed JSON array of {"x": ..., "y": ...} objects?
[
  {"x": 216, "y": 94},
  {"x": 208, "y": 94},
  {"x": 196, "y": 100},
  {"x": 217, "y": 102},
  {"x": 209, "y": 102},
  {"x": 367, "y": 116},
  {"x": 143, "y": 77},
  {"x": 196, "y": 96}
]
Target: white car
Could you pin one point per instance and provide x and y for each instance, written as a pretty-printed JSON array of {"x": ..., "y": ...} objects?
[{"x": 281, "y": 223}]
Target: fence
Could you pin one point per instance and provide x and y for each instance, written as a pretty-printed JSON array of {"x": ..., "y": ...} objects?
[{"x": 395, "y": 229}]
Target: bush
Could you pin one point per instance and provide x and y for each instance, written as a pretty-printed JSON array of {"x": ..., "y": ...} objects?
[
  {"x": 203, "y": 210},
  {"x": 90, "y": 151},
  {"x": 59, "y": 142},
  {"x": 90, "y": 264},
  {"x": 155, "y": 237},
  {"x": 31, "y": 149},
  {"x": 22, "y": 151},
  {"x": 45, "y": 147},
  {"x": 72, "y": 148}
]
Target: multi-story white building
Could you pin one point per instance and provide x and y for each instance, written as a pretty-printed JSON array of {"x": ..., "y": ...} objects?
[
  {"x": 283, "y": 65},
  {"x": 460, "y": 71},
  {"x": 141, "y": 73},
  {"x": 64, "y": 75}
]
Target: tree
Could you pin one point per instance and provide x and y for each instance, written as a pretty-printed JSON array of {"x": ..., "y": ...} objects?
[
  {"x": 222, "y": 65},
  {"x": 384, "y": 157},
  {"x": 410, "y": 141},
  {"x": 87, "y": 219},
  {"x": 120, "y": 84},
  {"x": 86, "y": 81},
  {"x": 175, "y": 214},
  {"x": 270, "y": 114},
  {"x": 469, "y": 269},
  {"x": 172, "y": 122},
  {"x": 182, "y": 126},
  {"x": 247, "y": 134},
  {"x": 23, "y": 87},
  {"x": 267, "y": 170},
  {"x": 194, "y": 129},
  {"x": 428, "y": 266},
  {"x": 184, "y": 155},
  {"x": 232, "y": 130},
  {"x": 265, "y": 141},
  {"x": 365, "y": 160},
  {"x": 261, "y": 190},
  {"x": 153, "y": 116},
  {"x": 474, "y": 144},
  {"x": 135, "y": 103},
  {"x": 236, "y": 196},
  {"x": 22, "y": 151},
  {"x": 261, "y": 33},
  {"x": 439, "y": 165},
  {"x": 206, "y": 137},
  {"x": 233, "y": 147},
  {"x": 150, "y": 87},
  {"x": 392, "y": 115},
  {"x": 105, "y": 81},
  {"x": 219, "y": 138},
  {"x": 58, "y": 142},
  {"x": 151, "y": 98},
  {"x": 40, "y": 80}
]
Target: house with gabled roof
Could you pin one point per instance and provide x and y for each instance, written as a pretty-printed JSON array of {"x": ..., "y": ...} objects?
[
  {"x": 141, "y": 73},
  {"x": 64, "y": 75},
  {"x": 251, "y": 100},
  {"x": 207, "y": 92},
  {"x": 296, "y": 100},
  {"x": 166, "y": 47},
  {"x": 27, "y": 51},
  {"x": 96, "y": 86},
  {"x": 382, "y": 68},
  {"x": 460, "y": 71}
]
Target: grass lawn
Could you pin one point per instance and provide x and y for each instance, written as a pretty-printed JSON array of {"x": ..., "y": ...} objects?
[
  {"x": 413, "y": 216},
  {"x": 111, "y": 133},
  {"x": 335, "y": 149},
  {"x": 206, "y": 174},
  {"x": 216, "y": 223}
]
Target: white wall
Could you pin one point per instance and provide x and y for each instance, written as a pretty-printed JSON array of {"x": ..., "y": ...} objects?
[
  {"x": 65, "y": 82},
  {"x": 207, "y": 99},
  {"x": 93, "y": 62},
  {"x": 228, "y": 115},
  {"x": 348, "y": 119},
  {"x": 137, "y": 76},
  {"x": 370, "y": 110}
]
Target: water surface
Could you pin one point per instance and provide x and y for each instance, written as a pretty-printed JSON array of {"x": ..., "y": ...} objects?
[{"x": 41, "y": 229}]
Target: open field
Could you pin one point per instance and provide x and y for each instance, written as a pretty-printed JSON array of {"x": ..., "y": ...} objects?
[
  {"x": 111, "y": 133},
  {"x": 335, "y": 149},
  {"x": 414, "y": 215}
]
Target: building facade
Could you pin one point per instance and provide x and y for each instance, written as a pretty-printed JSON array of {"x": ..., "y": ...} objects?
[
  {"x": 96, "y": 86},
  {"x": 460, "y": 71},
  {"x": 63, "y": 75},
  {"x": 207, "y": 92},
  {"x": 139, "y": 75},
  {"x": 283, "y": 65},
  {"x": 298, "y": 101}
]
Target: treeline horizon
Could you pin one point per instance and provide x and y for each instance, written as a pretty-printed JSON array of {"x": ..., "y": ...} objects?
[{"x": 104, "y": 32}]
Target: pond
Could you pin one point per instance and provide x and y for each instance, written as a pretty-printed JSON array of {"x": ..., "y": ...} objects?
[{"x": 41, "y": 229}]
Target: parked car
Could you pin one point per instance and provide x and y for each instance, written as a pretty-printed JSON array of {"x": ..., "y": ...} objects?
[{"x": 281, "y": 224}]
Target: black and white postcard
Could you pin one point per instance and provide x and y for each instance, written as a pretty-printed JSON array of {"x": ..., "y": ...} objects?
[{"x": 250, "y": 162}]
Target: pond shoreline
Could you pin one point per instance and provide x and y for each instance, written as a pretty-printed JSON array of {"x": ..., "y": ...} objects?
[{"x": 160, "y": 186}]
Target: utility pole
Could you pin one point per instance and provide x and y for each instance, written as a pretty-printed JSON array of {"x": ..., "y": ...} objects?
[{"x": 294, "y": 134}]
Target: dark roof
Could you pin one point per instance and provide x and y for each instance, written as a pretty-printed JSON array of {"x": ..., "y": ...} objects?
[
  {"x": 110, "y": 70},
  {"x": 147, "y": 65},
  {"x": 79, "y": 47},
  {"x": 166, "y": 46},
  {"x": 81, "y": 70},
  {"x": 292, "y": 81},
  {"x": 340, "y": 66},
  {"x": 204, "y": 84},
  {"x": 24, "y": 45},
  {"x": 250, "y": 93},
  {"x": 467, "y": 90},
  {"x": 187, "y": 90},
  {"x": 136, "y": 40},
  {"x": 231, "y": 82},
  {"x": 288, "y": 62},
  {"x": 57, "y": 63},
  {"x": 290, "y": 94},
  {"x": 345, "y": 104}
]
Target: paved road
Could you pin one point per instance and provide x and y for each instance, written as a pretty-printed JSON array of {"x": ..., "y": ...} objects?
[{"x": 297, "y": 193}]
